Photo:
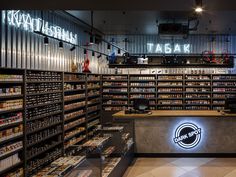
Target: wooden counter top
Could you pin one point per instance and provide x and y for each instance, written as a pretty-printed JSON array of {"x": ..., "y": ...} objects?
[{"x": 175, "y": 113}]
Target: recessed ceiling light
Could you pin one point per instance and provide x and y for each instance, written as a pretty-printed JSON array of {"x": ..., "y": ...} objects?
[{"x": 198, "y": 9}]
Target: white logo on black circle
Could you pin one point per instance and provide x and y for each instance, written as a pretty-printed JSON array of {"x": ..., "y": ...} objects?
[{"x": 187, "y": 135}]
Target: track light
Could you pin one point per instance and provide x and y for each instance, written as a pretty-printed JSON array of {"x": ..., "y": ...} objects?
[
  {"x": 198, "y": 8},
  {"x": 61, "y": 45},
  {"x": 99, "y": 56},
  {"x": 93, "y": 53},
  {"x": 85, "y": 51},
  {"x": 118, "y": 51},
  {"x": 91, "y": 41},
  {"x": 46, "y": 41},
  {"x": 72, "y": 48},
  {"x": 108, "y": 46}
]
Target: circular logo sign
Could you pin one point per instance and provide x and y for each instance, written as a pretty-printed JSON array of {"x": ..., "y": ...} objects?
[{"x": 187, "y": 135}]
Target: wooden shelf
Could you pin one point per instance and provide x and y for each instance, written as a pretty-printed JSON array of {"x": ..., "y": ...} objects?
[
  {"x": 10, "y": 125},
  {"x": 43, "y": 93},
  {"x": 11, "y": 96},
  {"x": 11, "y": 110}
]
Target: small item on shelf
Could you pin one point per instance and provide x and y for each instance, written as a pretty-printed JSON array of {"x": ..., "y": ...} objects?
[
  {"x": 10, "y": 91},
  {"x": 198, "y": 77},
  {"x": 60, "y": 167},
  {"x": 113, "y": 77},
  {"x": 10, "y": 118},
  {"x": 73, "y": 114},
  {"x": 71, "y": 87},
  {"x": 72, "y": 97},
  {"x": 34, "y": 165},
  {"x": 74, "y": 77},
  {"x": 11, "y": 104},
  {"x": 9, "y": 161},
  {"x": 74, "y": 105},
  {"x": 74, "y": 123},
  {"x": 11, "y": 148},
  {"x": 43, "y": 76},
  {"x": 93, "y": 77},
  {"x": 33, "y": 88},
  {"x": 11, "y": 77},
  {"x": 177, "y": 77},
  {"x": 17, "y": 173},
  {"x": 42, "y": 111},
  {"x": 74, "y": 132},
  {"x": 10, "y": 133}
]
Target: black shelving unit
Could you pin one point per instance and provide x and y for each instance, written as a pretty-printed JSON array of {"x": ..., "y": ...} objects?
[
  {"x": 115, "y": 92},
  {"x": 44, "y": 130},
  {"x": 74, "y": 116},
  {"x": 93, "y": 104},
  {"x": 174, "y": 91},
  {"x": 12, "y": 92}
]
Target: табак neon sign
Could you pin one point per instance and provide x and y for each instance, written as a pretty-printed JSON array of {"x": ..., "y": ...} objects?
[
  {"x": 25, "y": 21},
  {"x": 167, "y": 48},
  {"x": 187, "y": 135}
]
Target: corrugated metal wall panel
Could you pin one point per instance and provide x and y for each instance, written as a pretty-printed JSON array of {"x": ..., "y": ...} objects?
[
  {"x": 199, "y": 43},
  {"x": 24, "y": 49}
]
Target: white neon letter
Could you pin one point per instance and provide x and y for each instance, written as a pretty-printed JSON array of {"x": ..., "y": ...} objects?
[
  {"x": 149, "y": 47},
  {"x": 186, "y": 48},
  {"x": 168, "y": 48}
]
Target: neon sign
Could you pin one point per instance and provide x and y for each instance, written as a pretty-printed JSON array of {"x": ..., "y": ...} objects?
[
  {"x": 167, "y": 48},
  {"x": 25, "y": 21},
  {"x": 187, "y": 135}
]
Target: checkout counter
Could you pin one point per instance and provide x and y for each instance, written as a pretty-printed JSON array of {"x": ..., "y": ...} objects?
[{"x": 183, "y": 133}]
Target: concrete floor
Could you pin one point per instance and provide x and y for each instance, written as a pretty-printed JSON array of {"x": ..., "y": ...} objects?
[{"x": 182, "y": 167}]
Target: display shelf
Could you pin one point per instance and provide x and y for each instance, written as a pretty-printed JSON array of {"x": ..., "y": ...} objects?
[
  {"x": 72, "y": 118},
  {"x": 11, "y": 82},
  {"x": 76, "y": 142},
  {"x": 77, "y": 81},
  {"x": 11, "y": 168},
  {"x": 45, "y": 104},
  {"x": 74, "y": 135},
  {"x": 43, "y": 81},
  {"x": 11, "y": 139},
  {"x": 11, "y": 110},
  {"x": 42, "y": 128},
  {"x": 75, "y": 108},
  {"x": 47, "y": 149},
  {"x": 3, "y": 156},
  {"x": 74, "y": 90},
  {"x": 46, "y": 138},
  {"x": 11, "y": 96},
  {"x": 10, "y": 125},
  {"x": 43, "y": 116},
  {"x": 89, "y": 112},
  {"x": 74, "y": 126},
  {"x": 43, "y": 93},
  {"x": 82, "y": 98}
]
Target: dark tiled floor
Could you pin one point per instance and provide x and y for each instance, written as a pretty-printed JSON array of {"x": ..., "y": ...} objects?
[{"x": 182, "y": 167}]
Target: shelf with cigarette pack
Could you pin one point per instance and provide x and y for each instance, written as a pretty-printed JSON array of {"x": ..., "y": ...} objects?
[
  {"x": 216, "y": 96},
  {"x": 224, "y": 77},
  {"x": 142, "y": 78},
  {"x": 93, "y": 78},
  {"x": 170, "y": 78},
  {"x": 170, "y": 107},
  {"x": 70, "y": 77},
  {"x": 198, "y": 77},
  {"x": 111, "y": 78}
]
